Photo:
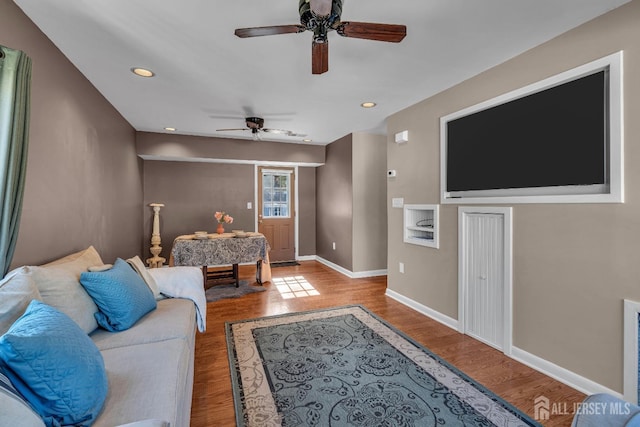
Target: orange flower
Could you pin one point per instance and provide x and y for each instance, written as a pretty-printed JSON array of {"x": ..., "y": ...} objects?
[{"x": 223, "y": 217}]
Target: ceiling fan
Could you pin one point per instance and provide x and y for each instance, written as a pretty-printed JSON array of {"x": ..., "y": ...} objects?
[
  {"x": 320, "y": 17},
  {"x": 255, "y": 125}
]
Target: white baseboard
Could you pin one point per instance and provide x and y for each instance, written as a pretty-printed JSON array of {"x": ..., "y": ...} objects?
[
  {"x": 306, "y": 258},
  {"x": 550, "y": 369},
  {"x": 561, "y": 374},
  {"x": 429, "y": 312},
  {"x": 351, "y": 274}
]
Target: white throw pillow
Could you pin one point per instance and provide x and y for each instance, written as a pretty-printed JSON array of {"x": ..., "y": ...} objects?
[
  {"x": 59, "y": 286},
  {"x": 138, "y": 266},
  {"x": 17, "y": 290}
]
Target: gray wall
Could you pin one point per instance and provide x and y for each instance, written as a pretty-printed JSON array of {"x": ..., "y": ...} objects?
[
  {"x": 184, "y": 147},
  {"x": 573, "y": 264},
  {"x": 84, "y": 183},
  {"x": 351, "y": 203},
  {"x": 306, "y": 180},
  {"x": 192, "y": 192},
  {"x": 369, "y": 202},
  {"x": 334, "y": 218}
]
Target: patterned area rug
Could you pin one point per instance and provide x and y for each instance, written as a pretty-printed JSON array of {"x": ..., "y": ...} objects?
[
  {"x": 219, "y": 292},
  {"x": 347, "y": 367}
]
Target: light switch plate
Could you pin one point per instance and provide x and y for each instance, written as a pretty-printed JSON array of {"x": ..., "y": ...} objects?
[{"x": 397, "y": 202}]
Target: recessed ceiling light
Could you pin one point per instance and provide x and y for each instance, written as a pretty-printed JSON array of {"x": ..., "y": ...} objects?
[
  {"x": 142, "y": 72},
  {"x": 368, "y": 104},
  {"x": 307, "y": 140},
  {"x": 170, "y": 129}
]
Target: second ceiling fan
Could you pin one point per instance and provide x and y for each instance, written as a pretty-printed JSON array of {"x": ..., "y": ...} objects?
[{"x": 320, "y": 17}]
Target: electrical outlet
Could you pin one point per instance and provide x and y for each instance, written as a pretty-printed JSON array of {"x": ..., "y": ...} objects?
[
  {"x": 249, "y": 205},
  {"x": 401, "y": 267}
]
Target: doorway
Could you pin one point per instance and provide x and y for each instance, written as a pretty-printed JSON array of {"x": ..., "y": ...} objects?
[
  {"x": 276, "y": 211},
  {"x": 485, "y": 275}
]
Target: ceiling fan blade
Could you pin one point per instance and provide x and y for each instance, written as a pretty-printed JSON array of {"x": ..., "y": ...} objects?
[
  {"x": 229, "y": 130},
  {"x": 284, "y": 132},
  {"x": 277, "y": 131},
  {"x": 320, "y": 58},
  {"x": 371, "y": 31},
  {"x": 269, "y": 31},
  {"x": 321, "y": 7}
]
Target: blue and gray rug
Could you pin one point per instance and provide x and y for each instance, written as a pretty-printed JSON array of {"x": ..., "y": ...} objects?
[{"x": 347, "y": 367}]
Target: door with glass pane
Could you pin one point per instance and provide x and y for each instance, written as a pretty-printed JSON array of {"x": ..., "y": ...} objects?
[{"x": 276, "y": 216}]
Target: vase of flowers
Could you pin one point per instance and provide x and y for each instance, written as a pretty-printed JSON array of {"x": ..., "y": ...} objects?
[{"x": 222, "y": 218}]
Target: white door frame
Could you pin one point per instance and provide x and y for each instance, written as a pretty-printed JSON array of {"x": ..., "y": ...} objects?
[
  {"x": 506, "y": 212},
  {"x": 630, "y": 383},
  {"x": 256, "y": 172}
]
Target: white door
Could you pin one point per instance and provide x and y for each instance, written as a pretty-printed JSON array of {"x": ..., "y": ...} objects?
[{"x": 485, "y": 275}]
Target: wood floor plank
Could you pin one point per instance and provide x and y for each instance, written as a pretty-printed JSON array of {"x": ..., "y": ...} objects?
[{"x": 212, "y": 396}]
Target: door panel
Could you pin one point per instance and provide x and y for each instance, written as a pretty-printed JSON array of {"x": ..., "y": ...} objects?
[
  {"x": 276, "y": 216},
  {"x": 484, "y": 308}
]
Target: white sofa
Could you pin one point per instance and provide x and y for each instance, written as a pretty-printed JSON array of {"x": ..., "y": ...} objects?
[
  {"x": 604, "y": 410},
  {"x": 149, "y": 366}
]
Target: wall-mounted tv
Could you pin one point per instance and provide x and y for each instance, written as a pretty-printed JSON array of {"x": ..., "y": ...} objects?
[{"x": 555, "y": 141}]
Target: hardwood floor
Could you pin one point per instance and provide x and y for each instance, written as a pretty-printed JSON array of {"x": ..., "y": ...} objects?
[{"x": 212, "y": 396}]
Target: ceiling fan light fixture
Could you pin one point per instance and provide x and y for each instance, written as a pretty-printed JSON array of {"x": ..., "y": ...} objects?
[
  {"x": 368, "y": 104},
  {"x": 142, "y": 72}
]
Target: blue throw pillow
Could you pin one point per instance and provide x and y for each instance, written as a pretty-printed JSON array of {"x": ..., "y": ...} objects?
[
  {"x": 120, "y": 294},
  {"x": 55, "y": 366}
]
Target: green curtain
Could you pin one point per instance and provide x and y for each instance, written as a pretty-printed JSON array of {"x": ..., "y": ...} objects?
[{"x": 15, "y": 89}]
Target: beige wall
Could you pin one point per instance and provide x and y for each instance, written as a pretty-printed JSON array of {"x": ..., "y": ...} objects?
[
  {"x": 369, "y": 202},
  {"x": 83, "y": 177},
  {"x": 573, "y": 264}
]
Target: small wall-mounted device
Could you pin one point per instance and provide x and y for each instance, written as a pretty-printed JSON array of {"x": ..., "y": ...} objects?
[
  {"x": 391, "y": 173},
  {"x": 402, "y": 137}
]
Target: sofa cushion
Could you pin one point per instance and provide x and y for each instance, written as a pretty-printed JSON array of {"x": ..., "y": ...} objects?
[
  {"x": 139, "y": 267},
  {"x": 146, "y": 381},
  {"x": 120, "y": 294},
  {"x": 59, "y": 286},
  {"x": 89, "y": 252},
  {"x": 605, "y": 410},
  {"x": 16, "y": 410},
  {"x": 173, "y": 318},
  {"x": 55, "y": 366},
  {"x": 17, "y": 290}
]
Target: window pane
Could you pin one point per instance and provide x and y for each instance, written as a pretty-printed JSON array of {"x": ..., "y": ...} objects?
[{"x": 275, "y": 195}]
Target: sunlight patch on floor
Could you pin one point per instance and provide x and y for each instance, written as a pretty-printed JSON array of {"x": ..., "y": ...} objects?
[{"x": 294, "y": 287}]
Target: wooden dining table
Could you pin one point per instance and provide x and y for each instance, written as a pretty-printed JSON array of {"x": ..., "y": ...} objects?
[{"x": 215, "y": 250}]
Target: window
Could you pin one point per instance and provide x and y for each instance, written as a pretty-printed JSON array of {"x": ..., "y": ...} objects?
[{"x": 276, "y": 189}]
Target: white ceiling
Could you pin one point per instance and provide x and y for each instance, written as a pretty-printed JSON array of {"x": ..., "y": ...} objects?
[{"x": 207, "y": 78}]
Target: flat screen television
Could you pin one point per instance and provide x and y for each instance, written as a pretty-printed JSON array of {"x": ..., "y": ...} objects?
[{"x": 556, "y": 141}]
